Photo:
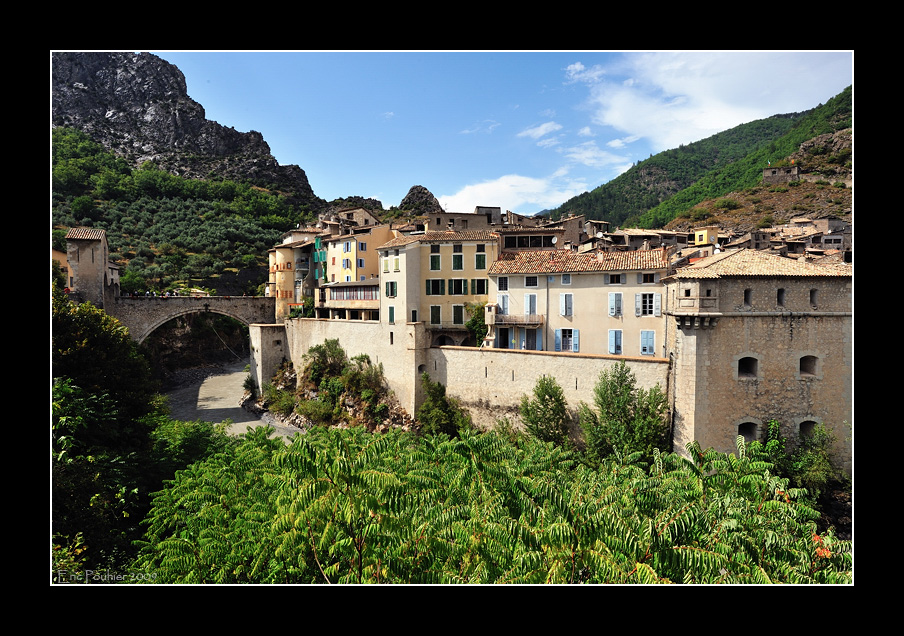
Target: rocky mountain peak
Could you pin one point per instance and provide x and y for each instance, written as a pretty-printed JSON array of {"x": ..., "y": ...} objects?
[
  {"x": 137, "y": 106},
  {"x": 420, "y": 200}
]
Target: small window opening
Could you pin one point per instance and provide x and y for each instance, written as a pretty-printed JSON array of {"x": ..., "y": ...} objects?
[
  {"x": 806, "y": 429},
  {"x": 780, "y": 297},
  {"x": 808, "y": 365},
  {"x": 814, "y": 297},
  {"x": 748, "y": 431},
  {"x": 747, "y": 295},
  {"x": 747, "y": 367},
  {"x": 687, "y": 293}
]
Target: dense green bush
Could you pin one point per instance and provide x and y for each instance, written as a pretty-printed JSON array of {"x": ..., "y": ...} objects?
[
  {"x": 545, "y": 415},
  {"x": 346, "y": 506}
]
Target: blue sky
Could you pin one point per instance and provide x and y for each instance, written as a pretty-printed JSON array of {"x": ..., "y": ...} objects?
[{"x": 524, "y": 131}]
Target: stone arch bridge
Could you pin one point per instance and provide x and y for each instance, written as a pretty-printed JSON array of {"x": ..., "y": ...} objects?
[{"x": 142, "y": 314}]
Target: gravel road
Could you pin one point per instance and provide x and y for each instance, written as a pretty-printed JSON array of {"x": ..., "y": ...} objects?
[{"x": 213, "y": 394}]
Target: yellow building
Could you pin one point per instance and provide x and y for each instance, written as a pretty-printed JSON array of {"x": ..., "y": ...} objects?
[{"x": 434, "y": 277}]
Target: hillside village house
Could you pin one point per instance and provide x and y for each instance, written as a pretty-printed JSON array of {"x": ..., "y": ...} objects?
[
  {"x": 560, "y": 300},
  {"x": 434, "y": 277}
]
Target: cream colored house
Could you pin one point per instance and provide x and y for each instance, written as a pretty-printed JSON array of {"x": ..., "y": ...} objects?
[
  {"x": 434, "y": 277},
  {"x": 560, "y": 300}
]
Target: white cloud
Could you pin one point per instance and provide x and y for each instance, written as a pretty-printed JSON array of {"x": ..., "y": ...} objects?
[
  {"x": 538, "y": 131},
  {"x": 590, "y": 155},
  {"x": 673, "y": 98},
  {"x": 486, "y": 126},
  {"x": 514, "y": 192}
]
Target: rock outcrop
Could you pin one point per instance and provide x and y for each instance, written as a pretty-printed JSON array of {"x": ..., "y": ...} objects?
[
  {"x": 137, "y": 106},
  {"x": 420, "y": 200}
]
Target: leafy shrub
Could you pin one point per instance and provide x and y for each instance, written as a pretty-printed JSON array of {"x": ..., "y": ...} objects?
[
  {"x": 546, "y": 415},
  {"x": 439, "y": 413},
  {"x": 627, "y": 419}
]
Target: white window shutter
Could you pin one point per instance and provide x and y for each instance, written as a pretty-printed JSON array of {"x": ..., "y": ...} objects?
[
  {"x": 638, "y": 304},
  {"x": 657, "y": 304}
]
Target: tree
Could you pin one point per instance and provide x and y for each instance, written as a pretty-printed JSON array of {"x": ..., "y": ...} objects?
[
  {"x": 476, "y": 324},
  {"x": 439, "y": 413},
  {"x": 627, "y": 419},
  {"x": 546, "y": 415}
]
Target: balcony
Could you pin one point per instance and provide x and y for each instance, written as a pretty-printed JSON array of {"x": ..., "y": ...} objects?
[{"x": 520, "y": 320}]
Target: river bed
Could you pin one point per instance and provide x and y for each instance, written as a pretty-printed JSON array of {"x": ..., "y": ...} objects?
[{"x": 216, "y": 398}]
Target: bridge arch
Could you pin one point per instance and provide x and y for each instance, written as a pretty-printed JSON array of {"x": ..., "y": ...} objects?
[{"x": 143, "y": 315}]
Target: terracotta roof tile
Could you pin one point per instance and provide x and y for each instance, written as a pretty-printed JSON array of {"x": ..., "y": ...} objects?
[
  {"x": 565, "y": 261},
  {"x": 86, "y": 233},
  {"x": 746, "y": 262},
  {"x": 441, "y": 237}
]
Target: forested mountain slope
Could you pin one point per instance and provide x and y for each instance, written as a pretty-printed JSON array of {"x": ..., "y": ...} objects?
[{"x": 656, "y": 190}]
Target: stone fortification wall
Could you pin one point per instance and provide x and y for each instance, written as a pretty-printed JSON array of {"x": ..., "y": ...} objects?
[
  {"x": 399, "y": 348},
  {"x": 490, "y": 382}
]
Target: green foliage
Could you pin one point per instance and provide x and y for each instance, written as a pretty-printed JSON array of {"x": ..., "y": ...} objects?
[
  {"x": 546, "y": 415},
  {"x": 212, "y": 224},
  {"x": 668, "y": 184},
  {"x": 476, "y": 323},
  {"x": 438, "y": 413},
  {"x": 627, "y": 419},
  {"x": 345, "y": 506},
  {"x": 324, "y": 360}
]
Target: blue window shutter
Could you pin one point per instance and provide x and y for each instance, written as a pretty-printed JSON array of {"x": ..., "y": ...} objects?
[
  {"x": 657, "y": 304},
  {"x": 575, "y": 340},
  {"x": 558, "y": 339}
]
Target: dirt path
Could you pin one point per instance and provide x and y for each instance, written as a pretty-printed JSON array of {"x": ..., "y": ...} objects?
[{"x": 216, "y": 398}]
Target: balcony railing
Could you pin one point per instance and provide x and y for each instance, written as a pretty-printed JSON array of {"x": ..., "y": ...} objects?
[
  {"x": 519, "y": 319},
  {"x": 445, "y": 324}
]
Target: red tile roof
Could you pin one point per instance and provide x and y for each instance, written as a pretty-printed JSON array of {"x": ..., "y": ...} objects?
[
  {"x": 441, "y": 237},
  {"x": 565, "y": 261},
  {"x": 745, "y": 262},
  {"x": 86, "y": 233}
]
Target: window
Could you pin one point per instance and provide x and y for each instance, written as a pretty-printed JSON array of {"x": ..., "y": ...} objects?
[
  {"x": 457, "y": 249},
  {"x": 347, "y": 246},
  {"x": 346, "y": 263},
  {"x": 780, "y": 297},
  {"x": 434, "y": 249},
  {"x": 615, "y": 341},
  {"x": 806, "y": 429},
  {"x": 395, "y": 260},
  {"x": 647, "y": 279},
  {"x": 435, "y": 314},
  {"x": 615, "y": 303},
  {"x": 647, "y": 304},
  {"x": 458, "y": 262},
  {"x": 566, "y": 279},
  {"x": 479, "y": 286},
  {"x": 566, "y": 304},
  {"x": 436, "y": 287},
  {"x": 360, "y": 262},
  {"x": 616, "y": 279},
  {"x": 530, "y": 304},
  {"x": 480, "y": 260},
  {"x": 748, "y": 367},
  {"x": 392, "y": 289},
  {"x": 808, "y": 366},
  {"x": 567, "y": 340},
  {"x": 435, "y": 263},
  {"x": 748, "y": 430},
  {"x": 503, "y": 301},
  {"x": 530, "y": 281},
  {"x": 748, "y": 295},
  {"x": 814, "y": 297},
  {"x": 458, "y": 314},
  {"x": 502, "y": 283},
  {"x": 458, "y": 286},
  {"x": 385, "y": 264},
  {"x": 647, "y": 343},
  {"x": 391, "y": 315},
  {"x": 362, "y": 247}
]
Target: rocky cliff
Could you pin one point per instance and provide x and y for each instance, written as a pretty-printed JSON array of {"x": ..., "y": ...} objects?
[{"x": 137, "y": 106}]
